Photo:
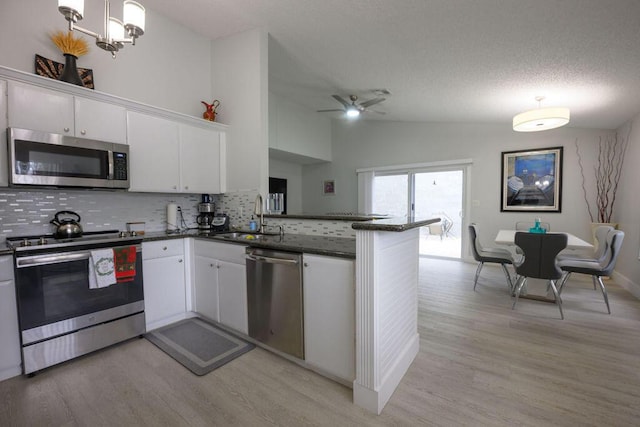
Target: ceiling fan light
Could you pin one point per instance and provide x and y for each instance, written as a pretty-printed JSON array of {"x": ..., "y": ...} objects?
[
  {"x": 353, "y": 113},
  {"x": 541, "y": 119}
]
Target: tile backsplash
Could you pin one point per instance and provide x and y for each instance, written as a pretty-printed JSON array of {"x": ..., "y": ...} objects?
[
  {"x": 25, "y": 212},
  {"x": 29, "y": 212}
]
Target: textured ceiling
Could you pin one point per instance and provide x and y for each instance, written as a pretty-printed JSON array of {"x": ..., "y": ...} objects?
[{"x": 443, "y": 60}]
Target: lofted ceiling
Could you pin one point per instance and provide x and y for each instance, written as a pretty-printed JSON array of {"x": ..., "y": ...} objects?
[{"x": 478, "y": 61}]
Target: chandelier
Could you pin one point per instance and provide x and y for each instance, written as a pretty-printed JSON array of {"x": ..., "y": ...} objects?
[{"x": 113, "y": 39}]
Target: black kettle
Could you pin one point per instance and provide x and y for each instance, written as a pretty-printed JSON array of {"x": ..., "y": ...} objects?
[{"x": 67, "y": 227}]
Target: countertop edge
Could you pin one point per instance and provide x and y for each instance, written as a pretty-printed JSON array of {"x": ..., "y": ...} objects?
[{"x": 393, "y": 224}]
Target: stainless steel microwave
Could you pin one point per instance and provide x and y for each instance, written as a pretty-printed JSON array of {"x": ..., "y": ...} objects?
[{"x": 47, "y": 159}]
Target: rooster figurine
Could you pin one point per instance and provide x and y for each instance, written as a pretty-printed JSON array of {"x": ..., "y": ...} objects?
[{"x": 210, "y": 114}]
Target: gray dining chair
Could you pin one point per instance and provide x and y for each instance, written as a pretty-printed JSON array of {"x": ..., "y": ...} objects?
[
  {"x": 601, "y": 248},
  {"x": 596, "y": 269},
  {"x": 539, "y": 261},
  {"x": 490, "y": 255}
]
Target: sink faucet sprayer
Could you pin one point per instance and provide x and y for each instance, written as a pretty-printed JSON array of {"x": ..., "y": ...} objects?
[{"x": 258, "y": 210}]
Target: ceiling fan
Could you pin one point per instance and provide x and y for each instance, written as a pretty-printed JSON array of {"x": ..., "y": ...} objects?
[{"x": 354, "y": 109}]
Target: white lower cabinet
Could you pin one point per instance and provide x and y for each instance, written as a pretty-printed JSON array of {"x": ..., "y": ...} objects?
[
  {"x": 329, "y": 314},
  {"x": 163, "y": 265},
  {"x": 232, "y": 293},
  {"x": 220, "y": 283},
  {"x": 10, "y": 360},
  {"x": 206, "y": 287}
]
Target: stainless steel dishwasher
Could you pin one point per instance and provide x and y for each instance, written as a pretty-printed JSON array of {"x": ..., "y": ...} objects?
[{"x": 274, "y": 299}]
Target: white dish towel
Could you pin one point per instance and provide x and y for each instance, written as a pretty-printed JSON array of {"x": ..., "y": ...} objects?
[{"x": 101, "y": 269}]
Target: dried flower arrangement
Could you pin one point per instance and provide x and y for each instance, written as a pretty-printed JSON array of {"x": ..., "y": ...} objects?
[
  {"x": 607, "y": 172},
  {"x": 70, "y": 45}
]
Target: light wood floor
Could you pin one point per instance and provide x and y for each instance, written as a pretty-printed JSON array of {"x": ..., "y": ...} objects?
[{"x": 480, "y": 363}]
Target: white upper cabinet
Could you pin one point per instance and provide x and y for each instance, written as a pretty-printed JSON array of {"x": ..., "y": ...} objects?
[
  {"x": 100, "y": 120},
  {"x": 201, "y": 160},
  {"x": 154, "y": 153},
  {"x": 167, "y": 156},
  {"x": 37, "y": 108}
]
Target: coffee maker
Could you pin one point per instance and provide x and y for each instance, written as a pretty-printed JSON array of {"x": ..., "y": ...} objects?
[{"x": 205, "y": 213}]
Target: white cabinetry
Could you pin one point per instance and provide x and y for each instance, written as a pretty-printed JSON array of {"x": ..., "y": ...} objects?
[
  {"x": 37, "y": 108},
  {"x": 220, "y": 288},
  {"x": 10, "y": 361},
  {"x": 205, "y": 287},
  {"x": 167, "y": 156},
  {"x": 329, "y": 315},
  {"x": 4, "y": 171},
  {"x": 202, "y": 160},
  {"x": 163, "y": 265},
  {"x": 153, "y": 153}
]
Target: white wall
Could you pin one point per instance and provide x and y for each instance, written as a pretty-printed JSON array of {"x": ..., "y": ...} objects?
[
  {"x": 240, "y": 82},
  {"x": 292, "y": 172},
  {"x": 375, "y": 143},
  {"x": 627, "y": 209},
  {"x": 170, "y": 66}
]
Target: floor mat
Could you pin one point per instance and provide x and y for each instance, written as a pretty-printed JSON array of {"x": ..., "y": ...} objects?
[{"x": 199, "y": 346}]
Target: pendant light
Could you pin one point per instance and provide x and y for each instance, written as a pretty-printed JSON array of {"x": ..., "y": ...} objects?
[
  {"x": 541, "y": 118},
  {"x": 116, "y": 33}
]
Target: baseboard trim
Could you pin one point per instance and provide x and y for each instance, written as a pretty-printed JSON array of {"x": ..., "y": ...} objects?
[
  {"x": 627, "y": 284},
  {"x": 375, "y": 400}
]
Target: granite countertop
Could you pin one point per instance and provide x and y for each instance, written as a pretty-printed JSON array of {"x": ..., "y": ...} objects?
[
  {"x": 329, "y": 217},
  {"x": 320, "y": 245},
  {"x": 394, "y": 224}
]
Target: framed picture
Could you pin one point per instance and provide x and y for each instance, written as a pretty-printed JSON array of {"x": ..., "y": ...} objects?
[
  {"x": 532, "y": 180},
  {"x": 329, "y": 187}
]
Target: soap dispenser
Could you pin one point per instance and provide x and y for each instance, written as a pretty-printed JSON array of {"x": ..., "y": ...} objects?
[{"x": 253, "y": 225}]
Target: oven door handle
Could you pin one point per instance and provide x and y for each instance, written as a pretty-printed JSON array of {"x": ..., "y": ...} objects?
[{"x": 34, "y": 261}]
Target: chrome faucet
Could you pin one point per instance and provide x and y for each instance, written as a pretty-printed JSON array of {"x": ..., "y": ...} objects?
[{"x": 259, "y": 211}]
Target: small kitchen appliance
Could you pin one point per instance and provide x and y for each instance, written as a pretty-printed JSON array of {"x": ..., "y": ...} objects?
[
  {"x": 206, "y": 213},
  {"x": 220, "y": 223}
]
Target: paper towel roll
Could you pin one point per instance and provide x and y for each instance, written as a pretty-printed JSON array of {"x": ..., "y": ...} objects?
[{"x": 172, "y": 217}]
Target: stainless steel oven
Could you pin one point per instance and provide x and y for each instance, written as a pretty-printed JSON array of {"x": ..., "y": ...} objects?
[
  {"x": 46, "y": 159},
  {"x": 60, "y": 317}
]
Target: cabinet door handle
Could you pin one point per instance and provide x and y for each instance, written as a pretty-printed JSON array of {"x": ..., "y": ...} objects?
[
  {"x": 306, "y": 264},
  {"x": 211, "y": 265},
  {"x": 175, "y": 187},
  {"x": 84, "y": 132},
  {"x": 180, "y": 260},
  {"x": 164, "y": 248},
  {"x": 66, "y": 129},
  {"x": 186, "y": 187}
]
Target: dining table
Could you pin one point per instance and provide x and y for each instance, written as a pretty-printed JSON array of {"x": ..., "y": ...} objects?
[{"x": 507, "y": 238}]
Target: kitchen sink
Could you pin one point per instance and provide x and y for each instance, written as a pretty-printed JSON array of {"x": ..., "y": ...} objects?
[{"x": 242, "y": 236}]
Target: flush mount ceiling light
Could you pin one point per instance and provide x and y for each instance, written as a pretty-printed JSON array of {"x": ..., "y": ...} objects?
[
  {"x": 541, "y": 118},
  {"x": 114, "y": 37}
]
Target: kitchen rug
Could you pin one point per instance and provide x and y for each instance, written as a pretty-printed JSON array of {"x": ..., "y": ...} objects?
[{"x": 199, "y": 346}]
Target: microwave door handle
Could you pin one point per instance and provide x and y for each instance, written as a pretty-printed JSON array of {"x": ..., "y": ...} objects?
[{"x": 110, "y": 177}]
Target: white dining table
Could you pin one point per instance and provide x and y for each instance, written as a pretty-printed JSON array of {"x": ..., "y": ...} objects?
[{"x": 507, "y": 237}]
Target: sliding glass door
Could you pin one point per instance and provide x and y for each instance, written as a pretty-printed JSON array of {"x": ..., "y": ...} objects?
[{"x": 426, "y": 192}]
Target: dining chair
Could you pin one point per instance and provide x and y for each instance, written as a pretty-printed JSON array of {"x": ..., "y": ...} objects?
[
  {"x": 601, "y": 248},
  {"x": 526, "y": 225},
  {"x": 539, "y": 261},
  {"x": 490, "y": 255},
  {"x": 596, "y": 269}
]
